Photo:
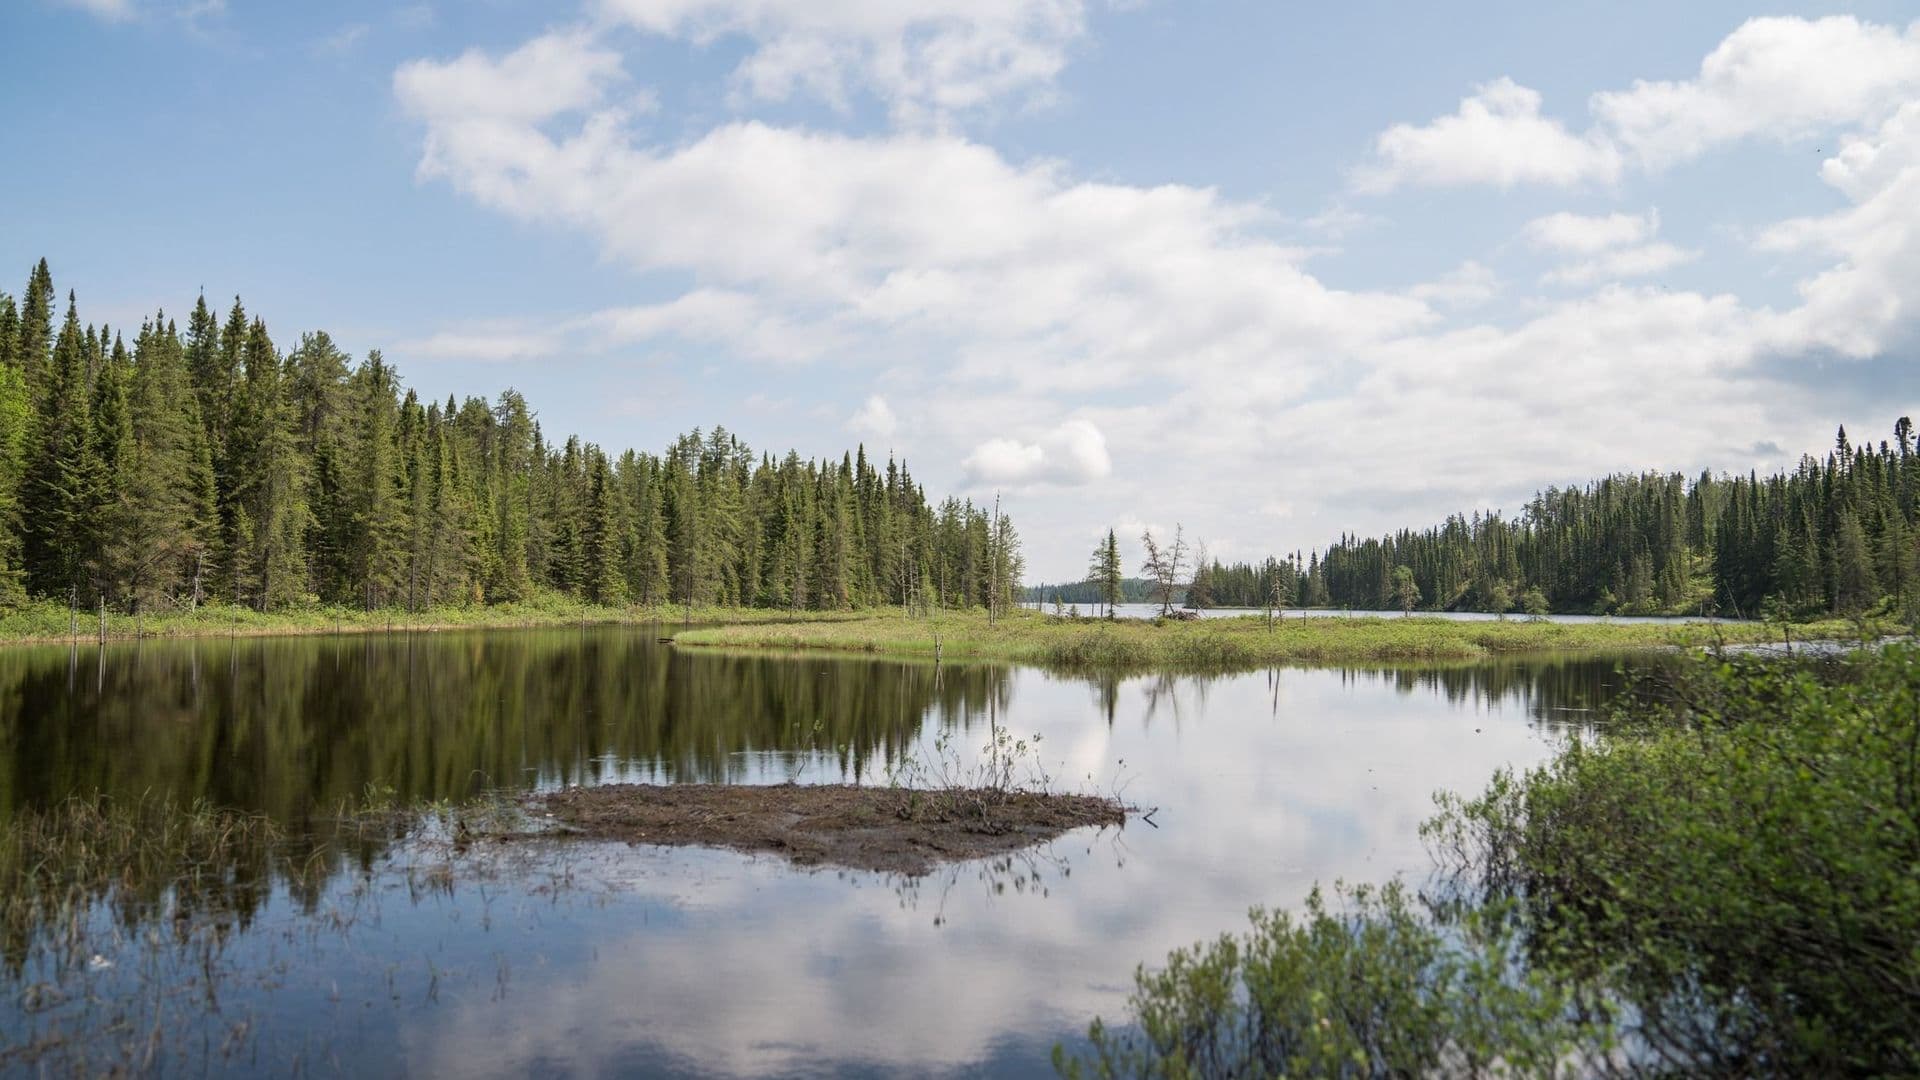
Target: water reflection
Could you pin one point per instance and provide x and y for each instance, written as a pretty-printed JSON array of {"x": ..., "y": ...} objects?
[
  {"x": 641, "y": 959},
  {"x": 293, "y": 727}
]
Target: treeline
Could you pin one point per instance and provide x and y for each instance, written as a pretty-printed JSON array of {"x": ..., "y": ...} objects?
[
  {"x": 1132, "y": 591},
  {"x": 207, "y": 464},
  {"x": 1834, "y": 535}
]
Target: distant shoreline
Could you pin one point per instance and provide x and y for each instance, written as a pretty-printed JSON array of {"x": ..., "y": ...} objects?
[{"x": 1136, "y": 644}]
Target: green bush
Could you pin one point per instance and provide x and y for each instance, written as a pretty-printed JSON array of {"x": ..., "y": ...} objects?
[
  {"x": 1725, "y": 881},
  {"x": 1741, "y": 862},
  {"x": 1376, "y": 989}
]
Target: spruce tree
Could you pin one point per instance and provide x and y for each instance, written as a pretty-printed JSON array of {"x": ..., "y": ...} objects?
[
  {"x": 600, "y": 555},
  {"x": 65, "y": 485}
]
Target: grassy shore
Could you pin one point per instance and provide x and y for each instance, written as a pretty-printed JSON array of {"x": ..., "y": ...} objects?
[
  {"x": 1031, "y": 637},
  {"x": 43, "y": 622}
]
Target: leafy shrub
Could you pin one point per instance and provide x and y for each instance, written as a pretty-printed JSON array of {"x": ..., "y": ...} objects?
[{"x": 1724, "y": 882}]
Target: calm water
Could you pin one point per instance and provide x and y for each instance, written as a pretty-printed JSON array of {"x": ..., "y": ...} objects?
[
  {"x": 1148, "y": 611},
  {"x": 610, "y": 959}
]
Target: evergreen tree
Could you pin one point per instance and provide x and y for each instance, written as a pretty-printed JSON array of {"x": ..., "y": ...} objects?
[
  {"x": 600, "y": 553},
  {"x": 65, "y": 485},
  {"x": 207, "y": 467},
  {"x": 1105, "y": 573}
]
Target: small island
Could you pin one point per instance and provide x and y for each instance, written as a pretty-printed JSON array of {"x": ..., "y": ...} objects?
[{"x": 898, "y": 830}]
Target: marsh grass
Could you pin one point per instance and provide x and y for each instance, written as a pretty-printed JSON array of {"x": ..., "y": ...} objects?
[
  {"x": 48, "y": 621},
  {"x": 1232, "y": 643}
]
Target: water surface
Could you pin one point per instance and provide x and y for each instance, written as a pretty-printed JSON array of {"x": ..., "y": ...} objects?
[{"x": 615, "y": 959}]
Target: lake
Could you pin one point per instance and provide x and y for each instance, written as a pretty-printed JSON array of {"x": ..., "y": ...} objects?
[
  {"x": 1148, "y": 611},
  {"x": 604, "y": 959}
]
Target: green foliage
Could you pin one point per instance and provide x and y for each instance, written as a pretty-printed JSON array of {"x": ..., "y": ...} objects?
[
  {"x": 211, "y": 468},
  {"x": 1739, "y": 864},
  {"x": 1722, "y": 883},
  {"x": 1834, "y": 536},
  {"x": 1374, "y": 989},
  {"x": 1218, "y": 644},
  {"x": 1406, "y": 593}
]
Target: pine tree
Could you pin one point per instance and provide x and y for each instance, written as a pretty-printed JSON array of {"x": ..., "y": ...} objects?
[
  {"x": 377, "y": 487},
  {"x": 267, "y": 541},
  {"x": 1104, "y": 572},
  {"x": 166, "y": 503},
  {"x": 15, "y": 418},
  {"x": 600, "y": 555},
  {"x": 34, "y": 339},
  {"x": 1854, "y": 585},
  {"x": 66, "y": 485}
]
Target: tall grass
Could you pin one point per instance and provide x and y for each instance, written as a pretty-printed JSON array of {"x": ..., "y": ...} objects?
[
  {"x": 50, "y": 621},
  {"x": 1217, "y": 644}
]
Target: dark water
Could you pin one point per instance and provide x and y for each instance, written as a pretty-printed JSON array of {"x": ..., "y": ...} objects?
[{"x": 617, "y": 960}]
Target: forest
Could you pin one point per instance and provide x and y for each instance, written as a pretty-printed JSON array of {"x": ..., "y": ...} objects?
[
  {"x": 1837, "y": 535},
  {"x": 1834, "y": 535},
  {"x": 208, "y": 465}
]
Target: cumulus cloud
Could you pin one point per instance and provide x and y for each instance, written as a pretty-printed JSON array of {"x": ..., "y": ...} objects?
[
  {"x": 1584, "y": 235},
  {"x": 108, "y": 10},
  {"x": 491, "y": 96},
  {"x": 1781, "y": 77},
  {"x": 874, "y": 419},
  {"x": 1857, "y": 304},
  {"x": 926, "y": 59},
  {"x": 1073, "y": 453},
  {"x": 1468, "y": 285},
  {"x": 1620, "y": 264},
  {"x": 1498, "y": 137},
  {"x": 1606, "y": 247},
  {"x": 1203, "y": 364},
  {"x": 484, "y": 344},
  {"x": 738, "y": 320}
]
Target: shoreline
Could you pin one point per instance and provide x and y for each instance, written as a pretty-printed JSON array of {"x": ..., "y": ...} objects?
[
  {"x": 1226, "y": 643},
  {"x": 1021, "y": 636},
  {"x": 47, "y": 624}
]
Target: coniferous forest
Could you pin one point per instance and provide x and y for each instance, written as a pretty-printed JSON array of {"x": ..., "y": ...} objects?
[
  {"x": 1835, "y": 535},
  {"x": 205, "y": 463}
]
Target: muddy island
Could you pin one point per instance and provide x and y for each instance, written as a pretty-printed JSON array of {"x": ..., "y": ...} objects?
[{"x": 890, "y": 829}]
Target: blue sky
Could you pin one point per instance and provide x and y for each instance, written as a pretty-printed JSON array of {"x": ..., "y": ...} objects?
[{"x": 1271, "y": 271}]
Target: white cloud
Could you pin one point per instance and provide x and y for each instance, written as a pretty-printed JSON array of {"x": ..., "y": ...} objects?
[
  {"x": 1498, "y": 137},
  {"x": 1073, "y": 453},
  {"x": 1780, "y": 77},
  {"x": 484, "y": 344},
  {"x": 926, "y": 59},
  {"x": 109, "y": 10},
  {"x": 1856, "y": 305},
  {"x": 476, "y": 97},
  {"x": 1202, "y": 364},
  {"x": 735, "y": 319},
  {"x": 1582, "y": 234},
  {"x": 343, "y": 40},
  {"x": 874, "y": 419},
  {"x": 1621, "y": 263},
  {"x": 1610, "y": 247},
  {"x": 190, "y": 12},
  {"x": 1467, "y": 285}
]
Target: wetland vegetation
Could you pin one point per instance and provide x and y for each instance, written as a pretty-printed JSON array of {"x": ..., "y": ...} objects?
[
  {"x": 1720, "y": 882},
  {"x": 1236, "y": 643}
]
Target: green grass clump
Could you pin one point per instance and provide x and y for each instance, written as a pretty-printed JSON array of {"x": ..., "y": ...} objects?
[
  {"x": 50, "y": 621},
  {"x": 1221, "y": 644}
]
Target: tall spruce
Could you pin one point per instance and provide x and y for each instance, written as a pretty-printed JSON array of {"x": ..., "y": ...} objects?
[{"x": 206, "y": 467}]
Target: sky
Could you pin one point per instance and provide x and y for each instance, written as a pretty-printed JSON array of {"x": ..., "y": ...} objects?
[{"x": 1270, "y": 272}]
